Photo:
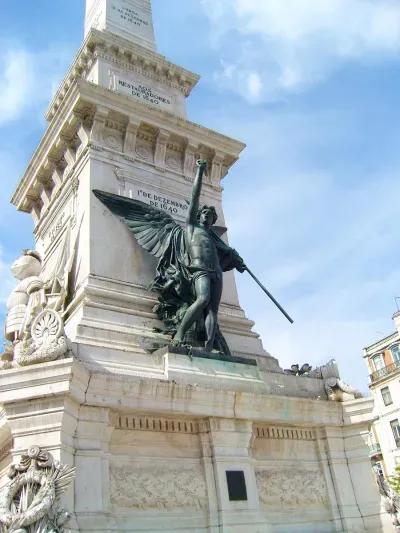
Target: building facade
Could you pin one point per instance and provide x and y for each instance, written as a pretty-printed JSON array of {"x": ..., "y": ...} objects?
[{"x": 383, "y": 362}]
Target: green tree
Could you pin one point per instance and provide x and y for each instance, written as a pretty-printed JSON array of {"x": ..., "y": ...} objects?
[{"x": 394, "y": 480}]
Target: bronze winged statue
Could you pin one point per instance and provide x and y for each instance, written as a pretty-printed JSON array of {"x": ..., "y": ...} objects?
[{"x": 191, "y": 262}]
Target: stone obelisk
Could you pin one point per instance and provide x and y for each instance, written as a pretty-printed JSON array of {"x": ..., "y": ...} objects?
[
  {"x": 122, "y": 128},
  {"x": 160, "y": 440}
]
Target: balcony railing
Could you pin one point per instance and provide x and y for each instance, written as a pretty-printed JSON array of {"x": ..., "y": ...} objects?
[
  {"x": 385, "y": 371},
  {"x": 374, "y": 449}
]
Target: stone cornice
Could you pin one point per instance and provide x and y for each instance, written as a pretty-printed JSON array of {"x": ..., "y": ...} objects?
[
  {"x": 78, "y": 107},
  {"x": 99, "y": 389},
  {"x": 159, "y": 118},
  {"x": 358, "y": 412},
  {"x": 51, "y": 136},
  {"x": 380, "y": 345},
  {"x": 130, "y": 56}
]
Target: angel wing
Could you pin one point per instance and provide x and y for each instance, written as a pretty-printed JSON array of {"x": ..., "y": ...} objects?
[{"x": 150, "y": 226}]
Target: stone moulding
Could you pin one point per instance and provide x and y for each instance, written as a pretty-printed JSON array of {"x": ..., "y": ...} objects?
[
  {"x": 145, "y": 423},
  {"x": 6, "y": 449},
  {"x": 101, "y": 43},
  {"x": 291, "y": 433},
  {"x": 83, "y": 96},
  {"x": 28, "y": 501}
]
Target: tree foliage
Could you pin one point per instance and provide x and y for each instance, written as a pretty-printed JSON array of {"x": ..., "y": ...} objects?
[{"x": 394, "y": 480}]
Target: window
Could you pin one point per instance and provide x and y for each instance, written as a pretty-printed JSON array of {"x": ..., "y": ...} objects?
[
  {"x": 379, "y": 363},
  {"x": 387, "y": 398},
  {"x": 395, "y": 352},
  {"x": 396, "y": 431}
]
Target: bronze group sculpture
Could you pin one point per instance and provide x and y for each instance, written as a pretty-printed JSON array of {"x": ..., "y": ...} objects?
[
  {"x": 189, "y": 272},
  {"x": 192, "y": 260}
]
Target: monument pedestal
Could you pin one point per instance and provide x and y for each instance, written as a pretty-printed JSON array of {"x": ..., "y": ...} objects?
[
  {"x": 163, "y": 439},
  {"x": 153, "y": 455}
]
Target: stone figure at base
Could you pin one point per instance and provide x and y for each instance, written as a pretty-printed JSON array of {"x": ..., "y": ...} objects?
[
  {"x": 338, "y": 391},
  {"x": 27, "y": 270},
  {"x": 189, "y": 272},
  {"x": 34, "y": 325}
]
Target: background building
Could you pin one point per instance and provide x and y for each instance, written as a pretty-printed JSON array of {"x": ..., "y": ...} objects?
[{"x": 383, "y": 361}]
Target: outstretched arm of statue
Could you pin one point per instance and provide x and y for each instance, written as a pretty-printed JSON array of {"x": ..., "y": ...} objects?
[
  {"x": 230, "y": 259},
  {"x": 196, "y": 191},
  {"x": 238, "y": 261}
]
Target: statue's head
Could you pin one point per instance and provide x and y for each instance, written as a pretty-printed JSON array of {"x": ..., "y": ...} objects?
[
  {"x": 29, "y": 264},
  {"x": 207, "y": 215}
]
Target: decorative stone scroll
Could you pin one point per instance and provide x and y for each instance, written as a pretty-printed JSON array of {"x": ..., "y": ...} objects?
[{"x": 28, "y": 503}]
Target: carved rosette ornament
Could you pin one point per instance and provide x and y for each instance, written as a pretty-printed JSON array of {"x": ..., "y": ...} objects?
[
  {"x": 47, "y": 342},
  {"x": 28, "y": 502}
]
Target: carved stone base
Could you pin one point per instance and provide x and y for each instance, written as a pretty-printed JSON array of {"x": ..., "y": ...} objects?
[
  {"x": 153, "y": 454},
  {"x": 216, "y": 356},
  {"x": 211, "y": 370}
]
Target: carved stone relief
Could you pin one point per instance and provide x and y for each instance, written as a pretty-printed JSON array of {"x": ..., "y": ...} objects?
[
  {"x": 112, "y": 141},
  {"x": 173, "y": 163},
  {"x": 158, "y": 487},
  {"x": 291, "y": 486},
  {"x": 57, "y": 228},
  {"x": 28, "y": 503},
  {"x": 143, "y": 153},
  {"x": 47, "y": 341}
]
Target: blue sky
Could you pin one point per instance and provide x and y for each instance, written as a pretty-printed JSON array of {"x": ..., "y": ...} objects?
[{"x": 312, "y": 88}]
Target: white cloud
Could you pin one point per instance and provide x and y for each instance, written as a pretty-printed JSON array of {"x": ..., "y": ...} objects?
[
  {"x": 335, "y": 321},
  {"x": 291, "y": 44},
  {"x": 255, "y": 85},
  {"x": 322, "y": 241},
  {"x": 14, "y": 83},
  {"x": 28, "y": 79}
]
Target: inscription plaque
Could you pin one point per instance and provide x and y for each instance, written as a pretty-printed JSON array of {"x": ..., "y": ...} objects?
[
  {"x": 143, "y": 92},
  {"x": 236, "y": 485},
  {"x": 130, "y": 18},
  {"x": 174, "y": 206}
]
